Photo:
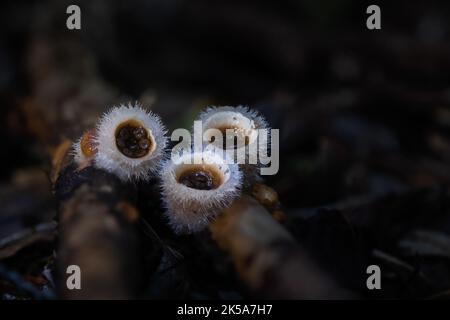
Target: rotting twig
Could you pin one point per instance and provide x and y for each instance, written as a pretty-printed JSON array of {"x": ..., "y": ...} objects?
[
  {"x": 97, "y": 233},
  {"x": 266, "y": 256},
  {"x": 96, "y": 219}
]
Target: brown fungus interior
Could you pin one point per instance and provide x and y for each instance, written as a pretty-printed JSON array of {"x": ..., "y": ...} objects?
[
  {"x": 88, "y": 145},
  {"x": 133, "y": 139},
  {"x": 200, "y": 176},
  {"x": 236, "y": 132}
]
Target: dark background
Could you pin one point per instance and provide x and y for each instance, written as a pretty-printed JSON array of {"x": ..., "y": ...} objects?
[{"x": 363, "y": 115}]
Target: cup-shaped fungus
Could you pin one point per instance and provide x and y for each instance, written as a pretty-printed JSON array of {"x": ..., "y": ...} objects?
[
  {"x": 196, "y": 187},
  {"x": 130, "y": 142},
  {"x": 85, "y": 149},
  {"x": 240, "y": 121},
  {"x": 240, "y": 129}
]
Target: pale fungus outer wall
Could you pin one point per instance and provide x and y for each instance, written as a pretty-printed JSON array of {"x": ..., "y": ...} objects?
[{"x": 195, "y": 193}]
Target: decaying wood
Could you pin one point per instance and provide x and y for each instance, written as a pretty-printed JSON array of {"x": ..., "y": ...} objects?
[
  {"x": 96, "y": 220},
  {"x": 97, "y": 233},
  {"x": 266, "y": 256}
]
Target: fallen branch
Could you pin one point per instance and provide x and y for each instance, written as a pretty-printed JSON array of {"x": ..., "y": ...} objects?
[
  {"x": 266, "y": 256},
  {"x": 97, "y": 233},
  {"x": 96, "y": 219}
]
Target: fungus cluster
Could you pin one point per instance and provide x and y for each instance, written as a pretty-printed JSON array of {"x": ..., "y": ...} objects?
[{"x": 131, "y": 142}]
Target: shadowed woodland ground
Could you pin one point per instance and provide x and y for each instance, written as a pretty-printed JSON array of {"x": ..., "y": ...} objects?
[{"x": 364, "y": 119}]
